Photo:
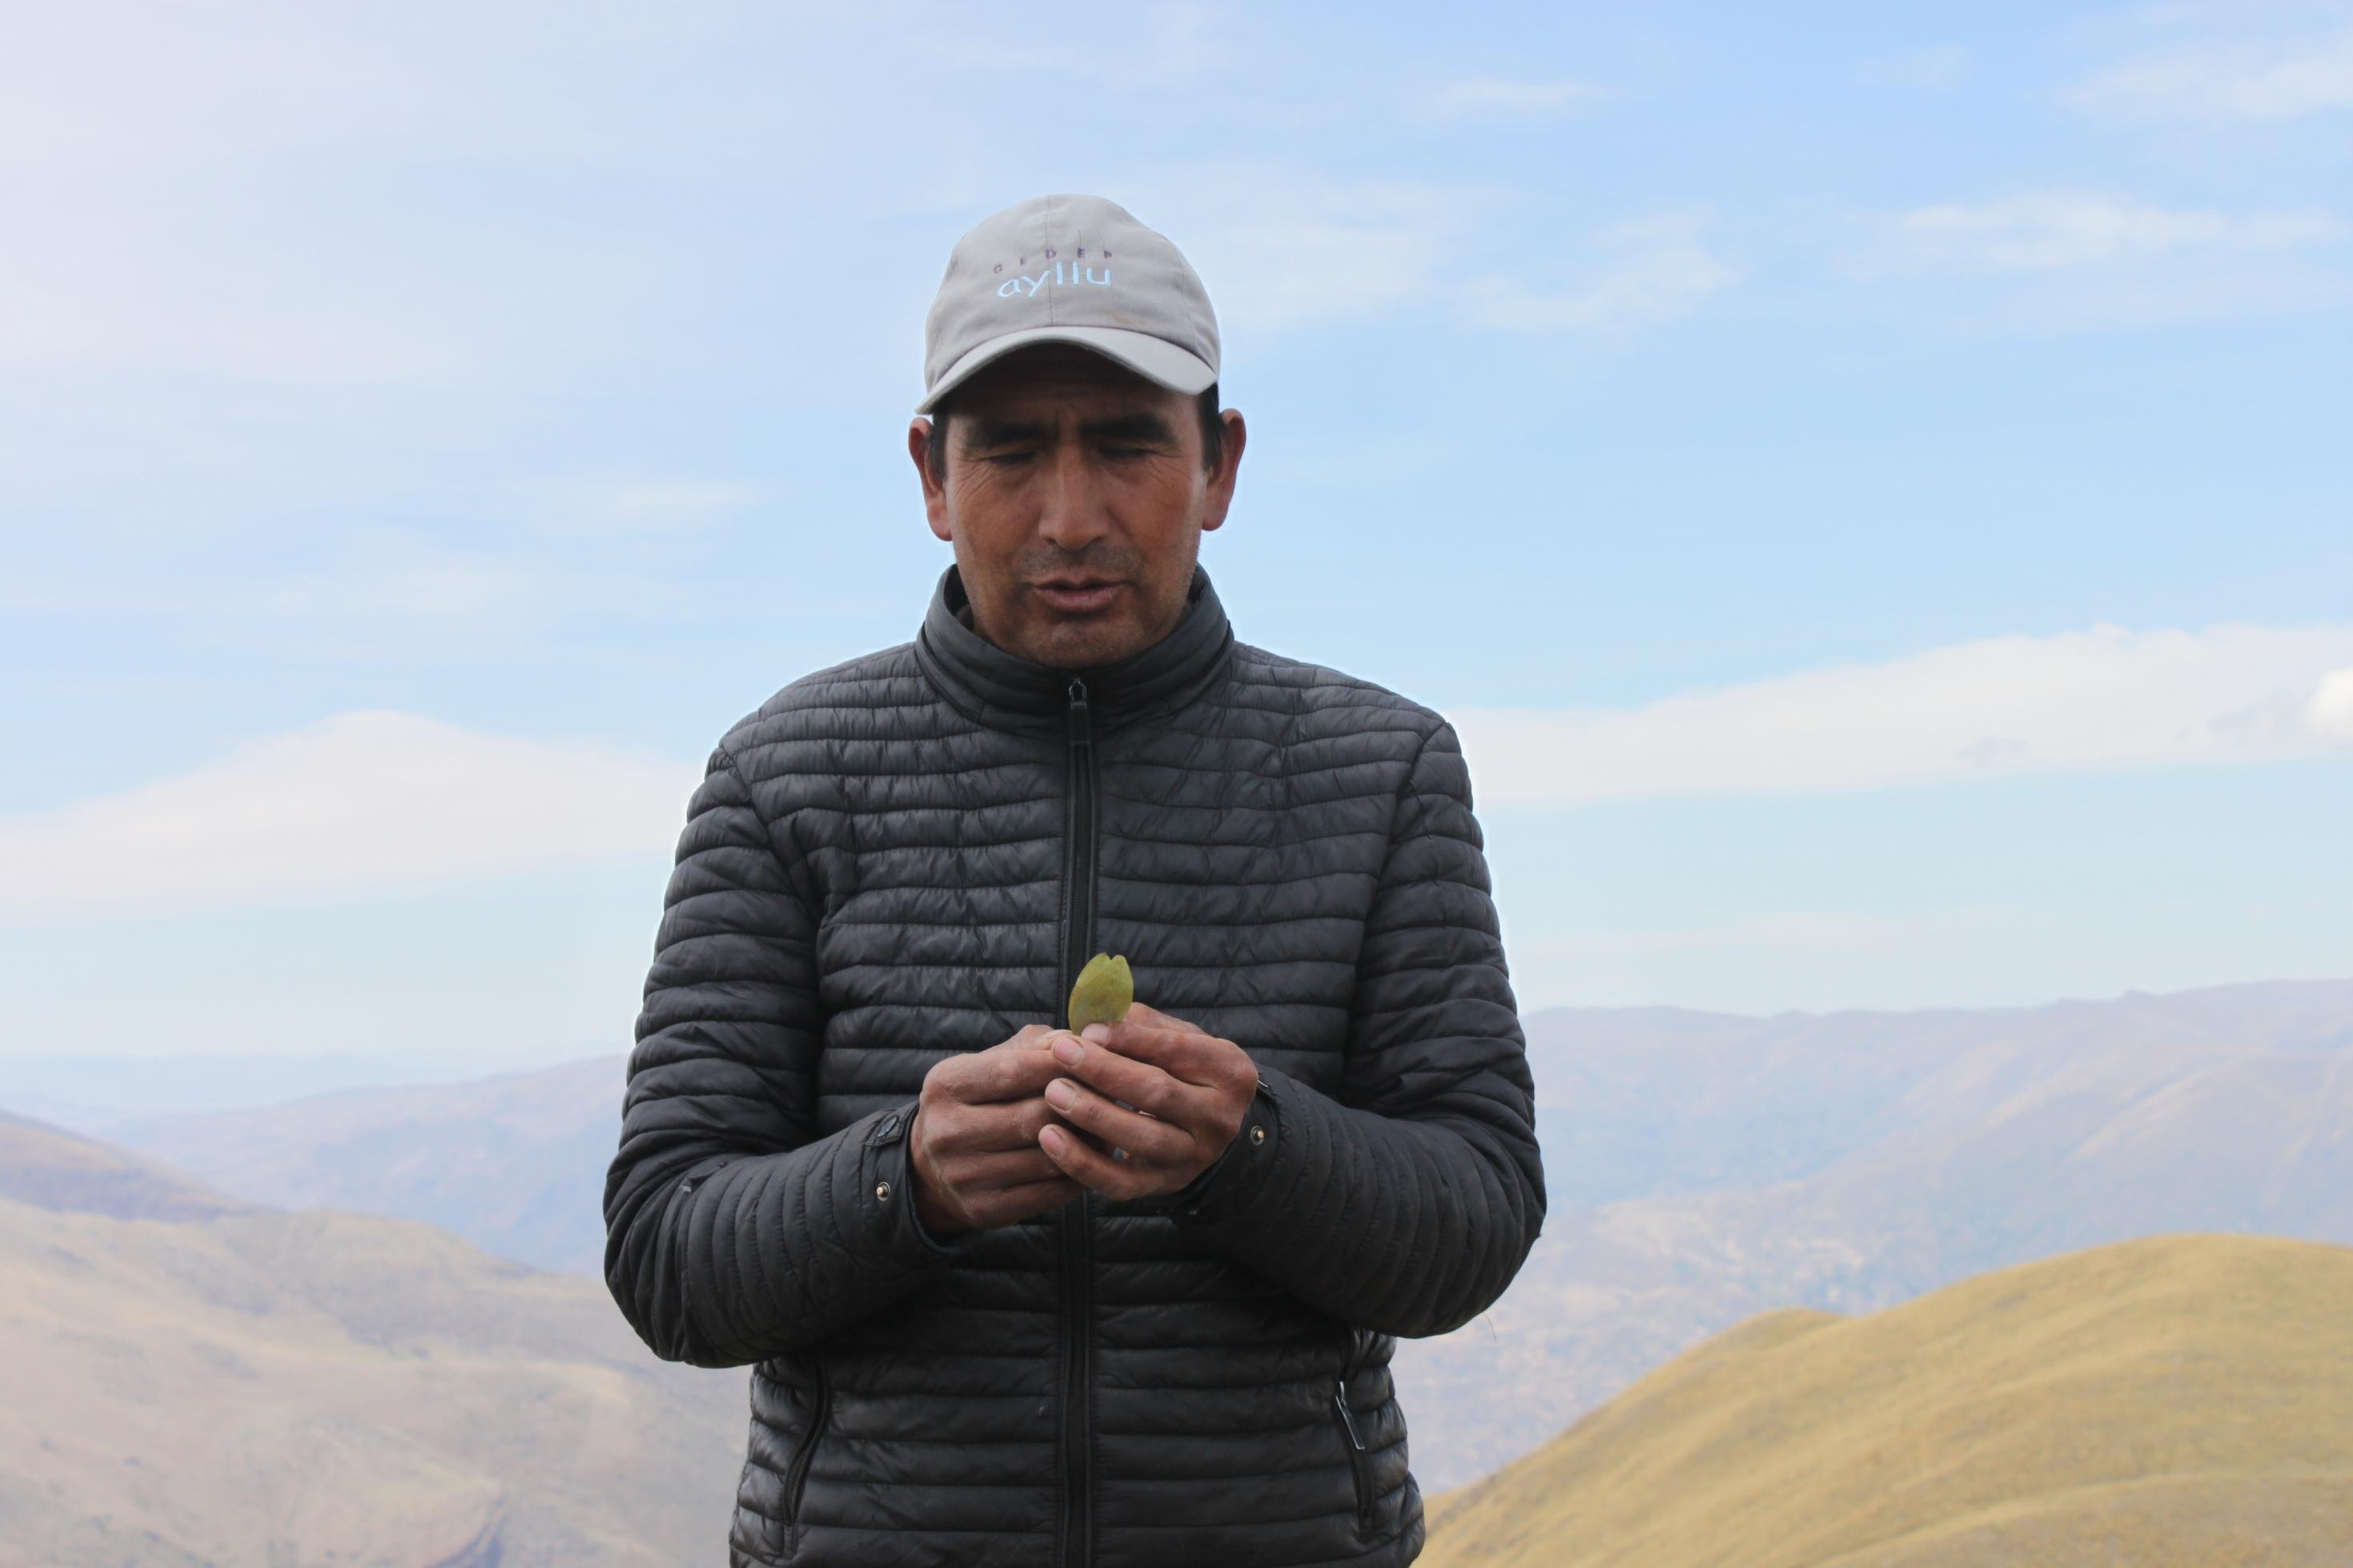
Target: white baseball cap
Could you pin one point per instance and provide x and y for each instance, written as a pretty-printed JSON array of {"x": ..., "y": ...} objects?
[{"x": 1069, "y": 269}]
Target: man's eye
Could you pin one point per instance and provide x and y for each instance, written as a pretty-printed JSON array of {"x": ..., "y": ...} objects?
[
  {"x": 1125, "y": 452},
  {"x": 1009, "y": 457}
]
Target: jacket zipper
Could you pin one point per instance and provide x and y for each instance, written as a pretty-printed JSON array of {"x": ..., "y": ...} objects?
[
  {"x": 796, "y": 1477},
  {"x": 1360, "y": 1462},
  {"x": 1078, "y": 1281}
]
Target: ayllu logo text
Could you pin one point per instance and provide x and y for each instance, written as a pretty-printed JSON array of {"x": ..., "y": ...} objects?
[{"x": 1020, "y": 288}]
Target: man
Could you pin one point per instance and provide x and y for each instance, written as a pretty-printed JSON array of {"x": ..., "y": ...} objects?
[{"x": 1012, "y": 1295}]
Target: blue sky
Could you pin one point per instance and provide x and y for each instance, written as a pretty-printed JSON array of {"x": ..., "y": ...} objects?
[{"x": 1870, "y": 486}]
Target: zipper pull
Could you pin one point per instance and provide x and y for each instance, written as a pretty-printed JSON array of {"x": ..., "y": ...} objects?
[
  {"x": 1080, "y": 727},
  {"x": 1347, "y": 1417}
]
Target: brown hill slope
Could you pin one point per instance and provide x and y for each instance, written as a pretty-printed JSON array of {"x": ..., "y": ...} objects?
[
  {"x": 2182, "y": 1399},
  {"x": 51, "y": 1168},
  {"x": 1701, "y": 1167},
  {"x": 514, "y": 1164},
  {"x": 1903, "y": 1152},
  {"x": 232, "y": 1386}
]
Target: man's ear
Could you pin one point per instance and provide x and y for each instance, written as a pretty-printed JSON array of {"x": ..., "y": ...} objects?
[
  {"x": 935, "y": 495},
  {"x": 1230, "y": 458}
]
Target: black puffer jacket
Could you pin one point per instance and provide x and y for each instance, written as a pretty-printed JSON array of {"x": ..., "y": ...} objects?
[{"x": 910, "y": 855}]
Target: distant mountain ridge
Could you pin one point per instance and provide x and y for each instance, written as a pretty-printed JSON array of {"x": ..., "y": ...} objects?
[
  {"x": 514, "y": 1163},
  {"x": 2170, "y": 1402},
  {"x": 51, "y": 1168},
  {"x": 1657, "y": 1101},
  {"x": 1887, "y": 1154},
  {"x": 195, "y": 1381},
  {"x": 97, "y": 1093},
  {"x": 1701, "y": 1168}
]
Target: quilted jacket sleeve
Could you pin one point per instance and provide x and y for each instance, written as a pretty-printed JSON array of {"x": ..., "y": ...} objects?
[
  {"x": 1406, "y": 1205},
  {"x": 732, "y": 1232}
]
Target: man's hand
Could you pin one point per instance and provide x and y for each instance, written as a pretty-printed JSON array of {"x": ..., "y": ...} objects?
[
  {"x": 972, "y": 1145},
  {"x": 1189, "y": 1088}
]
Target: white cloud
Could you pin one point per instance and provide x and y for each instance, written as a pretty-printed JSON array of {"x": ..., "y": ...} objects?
[
  {"x": 2103, "y": 699},
  {"x": 2062, "y": 230},
  {"x": 437, "y": 598},
  {"x": 1644, "y": 272},
  {"x": 1287, "y": 272},
  {"x": 444, "y": 592},
  {"x": 87, "y": 304},
  {"x": 2073, "y": 260},
  {"x": 1178, "y": 40},
  {"x": 361, "y": 799},
  {"x": 1930, "y": 70},
  {"x": 201, "y": 190},
  {"x": 381, "y": 576},
  {"x": 2329, "y": 714},
  {"x": 1282, "y": 248},
  {"x": 1492, "y": 97},
  {"x": 2224, "y": 79},
  {"x": 377, "y": 796},
  {"x": 623, "y": 506}
]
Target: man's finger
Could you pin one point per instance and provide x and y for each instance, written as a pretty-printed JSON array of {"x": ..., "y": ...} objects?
[
  {"x": 1144, "y": 1138},
  {"x": 1151, "y": 1089},
  {"x": 1112, "y": 1178},
  {"x": 1192, "y": 1057},
  {"x": 1014, "y": 1070},
  {"x": 1139, "y": 1013},
  {"x": 999, "y": 1125}
]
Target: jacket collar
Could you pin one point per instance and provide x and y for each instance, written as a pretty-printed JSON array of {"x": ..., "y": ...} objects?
[{"x": 1007, "y": 692}]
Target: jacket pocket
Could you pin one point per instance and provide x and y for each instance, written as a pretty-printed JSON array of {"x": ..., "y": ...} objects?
[
  {"x": 1360, "y": 1463},
  {"x": 820, "y": 1412},
  {"x": 1344, "y": 1415}
]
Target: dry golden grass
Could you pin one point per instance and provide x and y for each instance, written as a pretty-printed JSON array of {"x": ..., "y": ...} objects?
[
  {"x": 2167, "y": 1402},
  {"x": 245, "y": 1386}
]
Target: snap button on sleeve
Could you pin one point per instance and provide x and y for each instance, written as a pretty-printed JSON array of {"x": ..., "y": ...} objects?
[{"x": 883, "y": 1192}]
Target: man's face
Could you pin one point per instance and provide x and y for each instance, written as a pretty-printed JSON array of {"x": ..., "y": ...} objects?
[{"x": 1065, "y": 468}]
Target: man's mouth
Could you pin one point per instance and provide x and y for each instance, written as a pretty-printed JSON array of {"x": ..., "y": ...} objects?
[{"x": 1078, "y": 593}]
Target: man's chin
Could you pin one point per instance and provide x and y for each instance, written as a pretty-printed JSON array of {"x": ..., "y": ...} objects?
[{"x": 1075, "y": 642}]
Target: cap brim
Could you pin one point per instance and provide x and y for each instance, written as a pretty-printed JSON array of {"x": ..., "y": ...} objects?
[{"x": 1156, "y": 359}]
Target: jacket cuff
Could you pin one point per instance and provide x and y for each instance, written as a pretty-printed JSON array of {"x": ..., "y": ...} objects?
[
  {"x": 889, "y": 1191},
  {"x": 1235, "y": 1176}
]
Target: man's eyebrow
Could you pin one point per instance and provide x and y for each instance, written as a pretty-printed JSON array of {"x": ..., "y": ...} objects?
[
  {"x": 986, "y": 432},
  {"x": 1142, "y": 425}
]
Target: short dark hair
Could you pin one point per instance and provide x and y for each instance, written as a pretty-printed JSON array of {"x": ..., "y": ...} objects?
[{"x": 1213, "y": 434}]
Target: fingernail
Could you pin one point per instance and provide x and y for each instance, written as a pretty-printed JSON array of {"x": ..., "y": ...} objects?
[
  {"x": 1097, "y": 1033},
  {"x": 1052, "y": 1137},
  {"x": 1060, "y": 1095},
  {"x": 1068, "y": 1051}
]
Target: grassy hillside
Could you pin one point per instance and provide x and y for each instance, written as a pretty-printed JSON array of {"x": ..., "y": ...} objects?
[
  {"x": 1891, "y": 1153},
  {"x": 196, "y": 1382},
  {"x": 51, "y": 1168},
  {"x": 1702, "y": 1168},
  {"x": 2182, "y": 1399}
]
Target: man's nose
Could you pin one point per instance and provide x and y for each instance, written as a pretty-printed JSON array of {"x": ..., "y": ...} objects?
[{"x": 1070, "y": 511}]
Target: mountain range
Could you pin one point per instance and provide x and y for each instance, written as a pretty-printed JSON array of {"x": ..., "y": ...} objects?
[
  {"x": 2176, "y": 1401},
  {"x": 194, "y": 1379},
  {"x": 1701, "y": 1168}
]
